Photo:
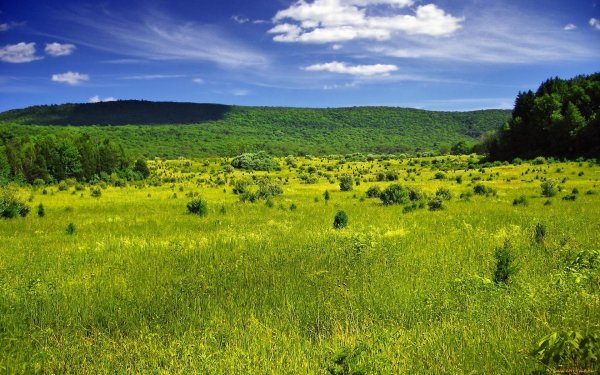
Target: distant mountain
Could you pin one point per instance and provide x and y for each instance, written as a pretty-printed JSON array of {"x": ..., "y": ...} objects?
[{"x": 190, "y": 129}]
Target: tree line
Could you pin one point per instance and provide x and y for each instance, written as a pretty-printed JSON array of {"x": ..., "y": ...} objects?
[
  {"x": 561, "y": 119},
  {"x": 50, "y": 158}
]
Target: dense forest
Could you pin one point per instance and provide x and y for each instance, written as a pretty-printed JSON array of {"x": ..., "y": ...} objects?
[
  {"x": 52, "y": 159},
  {"x": 199, "y": 130},
  {"x": 561, "y": 119}
]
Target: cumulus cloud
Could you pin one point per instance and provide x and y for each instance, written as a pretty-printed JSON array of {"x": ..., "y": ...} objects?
[
  {"x": 18, "y": 53},
  {"x": 240, "y": 92},
  {"x": 70, "y": 78},
  {"x": 10, "y": 25},
  {"x": 97, "y": 99},
  {"x": 198, "y": 81},
  {"x": 595, "y": 23},
  {"x": 331, "y": 21},
  {"x": 356, "y": 70},
  {"x": 57, "y": 49},
  {"x": 569, "y": 27}
]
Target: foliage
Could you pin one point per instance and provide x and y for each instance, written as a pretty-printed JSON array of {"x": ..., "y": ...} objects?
[
  {"x": 436, "y": 204},
  {"x": 194, "y": 130},
  {"x": 41, "y": 212},
  {"x": 521, "y": 200},
  {"x": 570, "y": 349},
  {"x": 394, "y": 194},
  {"x": 51, "y": 158},
  {"x": 373, "y": 191},
  {"x": 260, "y": 161},
  {"x": 443, "y": 193},
  {"x": 561, "y": 119},
  {"x": 505, "y": 267},
  {"x": 340, "y": 220},
  {"x": 549, "y": 188},
  {"x": 346, "y": 183},
  {"x": 198, "y": 206},
  {"x": 10, "y": 205},
  {"x": 70, "y": 230},
  {"x": 481, "y": 189}
]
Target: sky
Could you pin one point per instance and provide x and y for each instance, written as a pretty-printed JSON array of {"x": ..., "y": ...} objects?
[{"x": 431, "y": 54}]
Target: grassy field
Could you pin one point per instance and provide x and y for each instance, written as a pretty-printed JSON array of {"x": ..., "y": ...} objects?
[{"x": 271, "y": 287}]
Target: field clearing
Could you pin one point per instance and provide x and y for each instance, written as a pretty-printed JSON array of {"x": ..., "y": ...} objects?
[{"x": 272, "y": 287}]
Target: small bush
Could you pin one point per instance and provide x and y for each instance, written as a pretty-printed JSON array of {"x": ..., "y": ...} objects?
[
  {"x": 326, "y": 195},
  {"x": 440, "y": 176},
  {"x": 373, "y": 192},
  {"x": 41, "y": 212},
  {"x": 10, "y": 205},
  {"x": 569, "y": 349},
  {"x": 70, "y": 230},
  {"x": 63, "y": 186},
  {"x": 549, "y": 188},
  {"x": 504, "y": 264},
  {"x": 436, "y": 204},
  {"x": 96, "y": 192},
  {"x": 481, "y": 189},
  {"x": 520, "y": 201},
  {"x": 444, "y": 194},
  {"x": 570, "y": 197},
  {"x": 198, "y": 206},
  {"x": 340, "y": 220},
  {"x": 346, "y": 183},
  {"x": 394, "y": 194}
]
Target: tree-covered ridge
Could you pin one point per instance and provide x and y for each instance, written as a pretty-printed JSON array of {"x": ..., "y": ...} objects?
[
  {"x": 278, "y": 131},
  {"x": 561, "y": 119},
  {"x": 51, "y": 159}
]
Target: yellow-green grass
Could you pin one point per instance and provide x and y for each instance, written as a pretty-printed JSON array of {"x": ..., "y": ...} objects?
[{"x": 143, "y": 286}]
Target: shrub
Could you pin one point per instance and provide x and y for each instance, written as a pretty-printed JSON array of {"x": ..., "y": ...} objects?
[
  {"x": 394, "y": 194},
  {"x": 459, "y": 179},
  {"x": 520, "y": 201},
  {"x": 198, "y": 206},
  {"x": 240, "y": 186},
  {"x": 549, "y": 188},
  {"x": 340, "y": 220},
  {"x": 539, "y": 160},
  {"x": 70, "y": 230},
  {"x": 435, "y": 204},
  {"x": 41, "y": 212},
  {"x": 373, "y": 192},
  {"x": 504, "y": 264},
  {"x": 569, "y": 349},
  {"x": 326, "y": 195},
  {"x": 570, "y": 197},
  {"x": 440, "y": 176},
  {"x": 63, "y": 186},
  {"x": 444, "y": 194},
  {"x": 10, "y": 205},
  {"x": 261, "y": 161},
  {"x": 481, "y": 189},
  {"x": 346, "y": 183},
  {"x": 539, "y": 233},
  {"x": 96, "y": 192}
]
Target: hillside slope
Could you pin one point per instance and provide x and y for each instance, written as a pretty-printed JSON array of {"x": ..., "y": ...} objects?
[{"x": 189, "y": 129}]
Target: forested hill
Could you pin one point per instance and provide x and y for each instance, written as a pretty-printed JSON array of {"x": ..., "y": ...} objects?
[{"x": 212, "y": 129}]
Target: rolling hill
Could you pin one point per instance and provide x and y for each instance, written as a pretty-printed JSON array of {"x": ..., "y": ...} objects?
[{"x": 168, "y": 129}]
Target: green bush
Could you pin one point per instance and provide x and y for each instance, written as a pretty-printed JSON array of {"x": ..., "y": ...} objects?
[
  {"x": 373, "y": 192},
  {"x": 198, "y": 206},
  {"x": 70, "y": 230},
  {"x": 481, "y": 189},
  {"x": 394, "y": 194},
  {"x": 346, "y": 183},
  {"x": 340, "y": 220},
  {"x": 505, "y": 268},
  {"x": 96, "y": 192},
  {"x": 10, "y": 205},
  {"x": 549, "y": 188},
  {"x": 443, "y": 193},
  {"x": 520, "y": 201},
  {"x": 539, "y": 232},
  {"x": 41, "y": 212},
  {"x": 436, "y": 204},
  {"x": 261, "y": 161},
  {"x": 569, "y": 349}
]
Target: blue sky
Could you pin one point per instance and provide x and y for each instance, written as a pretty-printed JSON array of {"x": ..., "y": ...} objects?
[{"x": 431, "y": 54}]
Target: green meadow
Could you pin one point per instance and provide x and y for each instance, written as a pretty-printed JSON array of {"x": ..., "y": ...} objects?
[{"x": 121, "y": 278}]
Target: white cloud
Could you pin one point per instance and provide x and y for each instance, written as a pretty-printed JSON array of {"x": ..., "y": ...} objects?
[
  {"x": 337, "y": 47},
  {"x": 356, "y": 70},
  {"x": 154, "y": 36},
  {"x": 198, "y": 81},
  {"x": 240, "y": 19},
  {"x": 569, "y": 27},
  {"x": 57, "y": 49},
  {"x": 240, "y": 92},
  {"x": 595, "y": 23},
  {"x": 18, "y": 53},
  {"x": 97, "y": 99},
  {"x": 70, "y": 78},
  {"x": 331, "y": 21},
  {"x": 10, "y": 25}
]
